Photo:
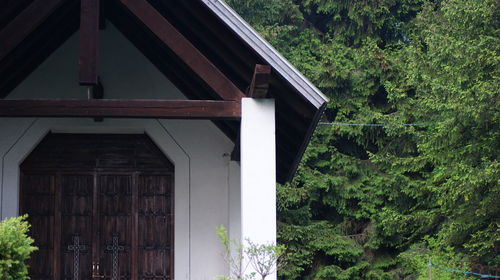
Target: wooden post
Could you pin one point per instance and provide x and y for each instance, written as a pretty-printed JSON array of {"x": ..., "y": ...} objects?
[{"x": 89, "y": 41}]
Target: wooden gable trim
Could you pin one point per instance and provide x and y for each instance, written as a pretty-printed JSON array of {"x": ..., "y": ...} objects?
[
  {"x": 260, "y": 81},
  {"x": 184, "y": 49},
  {"x": 114, "y": 108},
  {"x": 25, "y": 23},
  {"x": 89, "y": 41},
  {"x": 266, "y": 52}
]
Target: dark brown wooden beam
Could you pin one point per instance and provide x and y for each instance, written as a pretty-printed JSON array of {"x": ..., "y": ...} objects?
[
  {"x": 184, "y": 49},
  {"x": 218, "y": 32},
  {"x": 260, "y": 81},
  {"x": 215, "y": 45},
  {"x": 25, "y": 23},
  {"x": 39, "y": 45},
  {"x": 10, "y": 9},
  {"x": 158, "y": 55},
  {"x": 113, "y": 108},
  {"x": 89, "y": 41}
]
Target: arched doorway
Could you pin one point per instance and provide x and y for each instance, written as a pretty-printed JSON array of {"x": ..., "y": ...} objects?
[{"x": 101, "y": 206}]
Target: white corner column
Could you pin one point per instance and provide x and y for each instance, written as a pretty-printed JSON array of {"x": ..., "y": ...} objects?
[{"x": 258, "y": 172}]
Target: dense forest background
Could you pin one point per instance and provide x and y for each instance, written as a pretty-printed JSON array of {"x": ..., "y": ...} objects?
[{"x": 407, "y": 169}]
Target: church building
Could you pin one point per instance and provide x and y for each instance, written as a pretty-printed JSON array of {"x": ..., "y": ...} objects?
[{"x": 131, "y": 129}]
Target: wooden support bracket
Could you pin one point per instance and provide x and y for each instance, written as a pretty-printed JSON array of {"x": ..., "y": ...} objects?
[
  {"x": 260, "y": 81},
  {"x": 258, "y": 88}
]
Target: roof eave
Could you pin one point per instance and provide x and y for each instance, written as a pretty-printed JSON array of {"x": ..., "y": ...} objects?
[
  {"x": 267, "y": 52},
  {"x": 305, "y": 143}
]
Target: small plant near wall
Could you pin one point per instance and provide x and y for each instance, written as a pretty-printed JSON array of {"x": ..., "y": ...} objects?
[
  {"x": 264, "y": 259},
  {"x": 15, "y": 248}
]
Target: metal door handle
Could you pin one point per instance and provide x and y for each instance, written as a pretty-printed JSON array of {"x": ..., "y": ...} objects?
[{"x": 95, "y": 271}]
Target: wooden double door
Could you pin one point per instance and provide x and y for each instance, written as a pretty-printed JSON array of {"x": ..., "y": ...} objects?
[{"x": 112, "y": 221}]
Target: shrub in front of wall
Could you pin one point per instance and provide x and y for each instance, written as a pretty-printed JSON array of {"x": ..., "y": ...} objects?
[{"x": 15, "y": 248}]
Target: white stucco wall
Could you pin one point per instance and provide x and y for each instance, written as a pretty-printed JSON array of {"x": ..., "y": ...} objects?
[{"x": 198, "y": 149}]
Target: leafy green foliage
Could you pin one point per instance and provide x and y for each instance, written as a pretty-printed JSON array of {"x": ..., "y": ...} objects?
[
  {"x": 432, "y": 251},
  {"x": 454, "y": 71},
  {"x": 264, "y": 259},
  {"x": 15, "y": 248},
  {"x": 233, "y": 255},
  {"x": 379, "y": 202}
]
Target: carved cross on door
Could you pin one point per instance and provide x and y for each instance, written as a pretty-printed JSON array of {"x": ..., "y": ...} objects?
[
  {"x": 77, "y": 248},
  {"x": 115, "y": 249}
]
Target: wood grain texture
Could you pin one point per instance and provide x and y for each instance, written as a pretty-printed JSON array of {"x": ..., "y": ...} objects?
[
  {"x": 38, "y": 195},
  {"x": 38, "y": 45},
  {"x": 184, "y": 49},
  {"x": 167, "y": 109},
  {"x": 123, "y": 189},
  {"x": 89, "y": 41},
  {"x": 259, "y": 86},
  {"x": 25, "y": 23}
]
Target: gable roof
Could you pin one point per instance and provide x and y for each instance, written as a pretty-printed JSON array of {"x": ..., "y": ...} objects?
[
  {"x": 215, "y": 30},
  {"x": 266, "y": 51}
]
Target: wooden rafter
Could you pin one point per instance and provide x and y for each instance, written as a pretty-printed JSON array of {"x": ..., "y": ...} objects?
[
  {"x": 25, "y": 23},
  {"x": 113, "y": 108},
  {"x": 184, "y": 49},
  {"x": 260, "y": 81},
  {"x": 38, "y": 45},
  {"x": 89, "y": 41},
  {"x": 155, "y": 53}
]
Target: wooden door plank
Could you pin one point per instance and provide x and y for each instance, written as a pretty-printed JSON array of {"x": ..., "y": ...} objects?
[
  {"x": 115, "y": 220},
  {"x": 168, "y": 109},
  {"x": 135, "y": 227},
  {"x": 57, "y": 227},
  {"x": 183, "y": 48},
  {"x": 89, "y": 41},
  {"x": 157, "y": 205},
  {"x": 95, "y": 225},
  {"x": 156, "y": 209},
  {"x": 25, "y": 23}
]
